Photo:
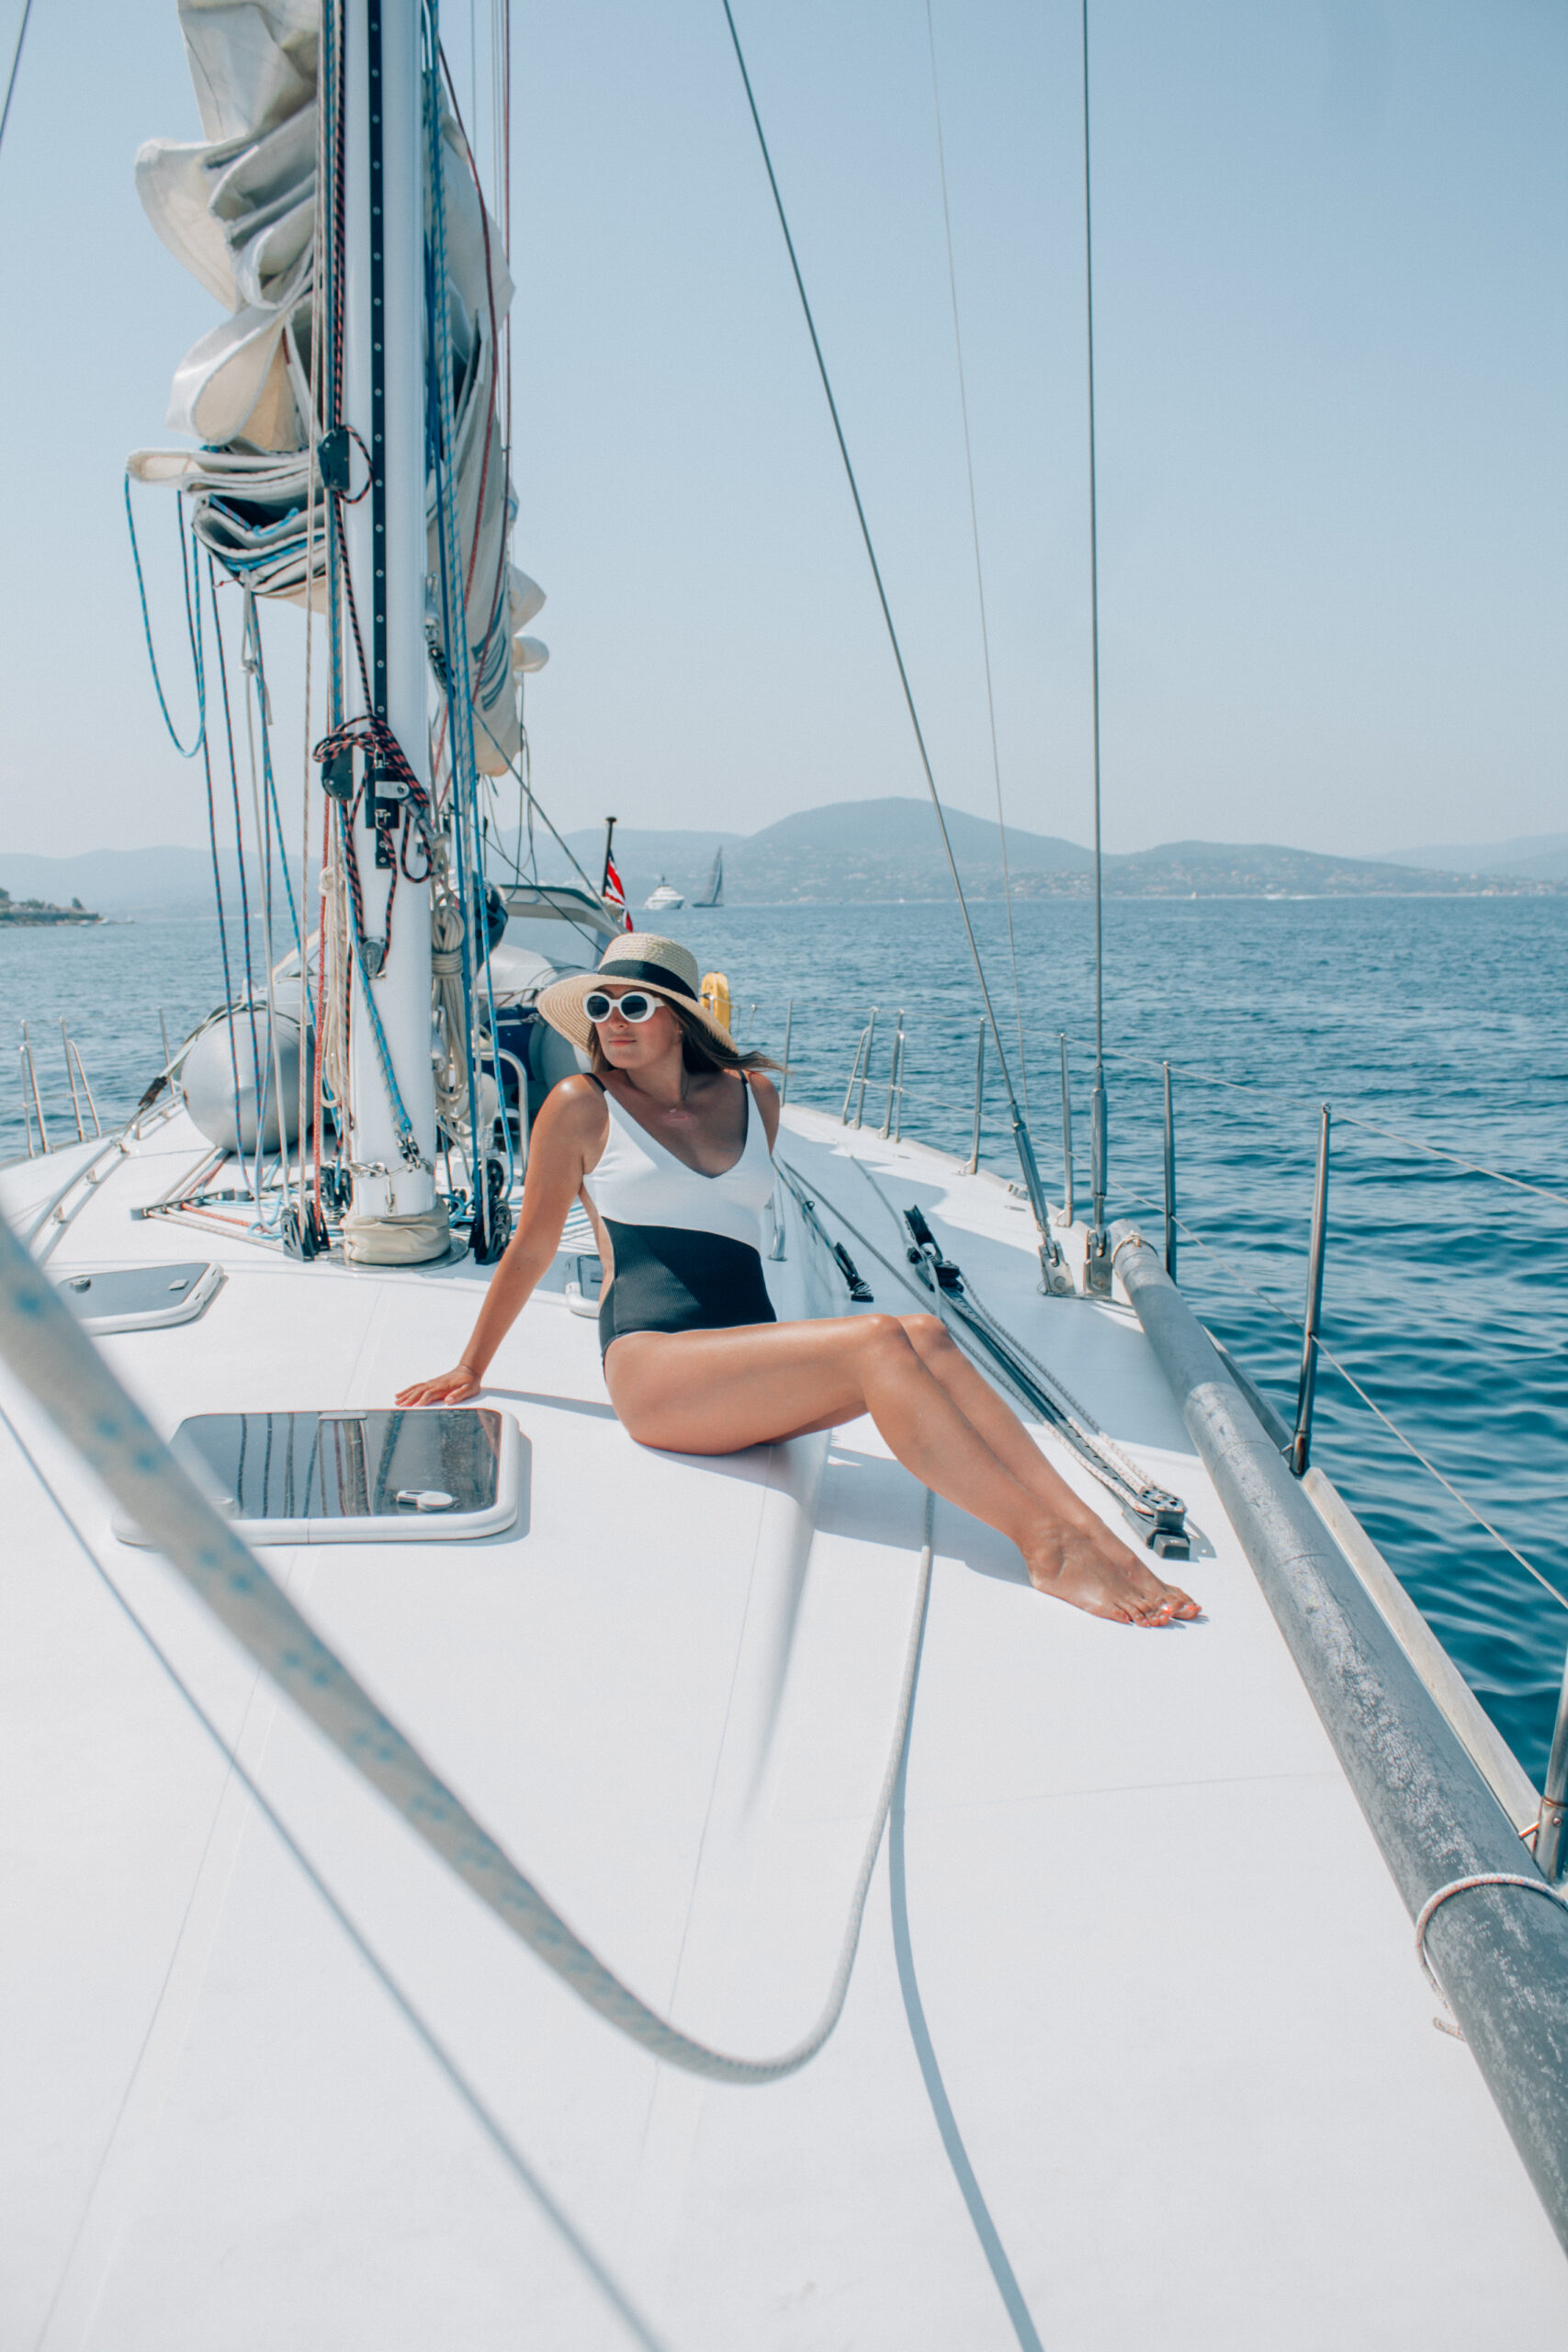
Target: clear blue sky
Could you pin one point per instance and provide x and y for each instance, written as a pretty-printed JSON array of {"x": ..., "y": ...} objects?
[{"x": 1332, "y": 287}]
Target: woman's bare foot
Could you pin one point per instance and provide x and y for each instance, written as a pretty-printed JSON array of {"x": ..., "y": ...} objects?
[{"x": 1092, "y": 1570}]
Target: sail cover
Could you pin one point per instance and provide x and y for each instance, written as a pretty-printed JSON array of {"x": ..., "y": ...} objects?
[{"x": 238, "y": 208}]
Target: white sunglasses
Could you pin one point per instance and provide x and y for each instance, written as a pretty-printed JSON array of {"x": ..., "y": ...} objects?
[{"x": 634, "y": 1006}]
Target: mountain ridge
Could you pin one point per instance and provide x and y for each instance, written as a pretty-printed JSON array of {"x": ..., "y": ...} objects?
[{"x": 888, "y": 849}]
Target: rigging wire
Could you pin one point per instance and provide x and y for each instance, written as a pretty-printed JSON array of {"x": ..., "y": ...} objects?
[
  {"x": 16, "y": 67},
  {"x": 185, "y": 752},
  {"x": 1050, "y": 1254},
  {"x": 979, "y": 572},
  {"x": 1098, "y": 1135}
]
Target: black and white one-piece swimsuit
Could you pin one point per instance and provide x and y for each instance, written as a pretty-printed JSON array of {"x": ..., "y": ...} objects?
[{"x": 687, "y": 1246}]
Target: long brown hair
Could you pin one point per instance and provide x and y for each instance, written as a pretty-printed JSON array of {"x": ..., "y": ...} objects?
[{"x": 700, "y": 1049}]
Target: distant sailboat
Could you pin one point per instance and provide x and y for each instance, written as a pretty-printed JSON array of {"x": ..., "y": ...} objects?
[
  {"x": 714, "y": 895},
  {"x": 664, "y": 901}
]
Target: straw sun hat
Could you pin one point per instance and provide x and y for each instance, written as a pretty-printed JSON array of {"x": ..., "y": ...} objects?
[{"x": 662, "y": 967}]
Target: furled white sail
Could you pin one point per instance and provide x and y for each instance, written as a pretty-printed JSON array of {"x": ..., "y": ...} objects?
[{"x": 238, "y": 209}]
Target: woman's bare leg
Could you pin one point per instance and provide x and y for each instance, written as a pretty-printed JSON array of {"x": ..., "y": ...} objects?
[{"x": 715, "y": 1392}]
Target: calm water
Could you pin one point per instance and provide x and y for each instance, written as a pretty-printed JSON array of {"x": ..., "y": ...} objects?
[{"x": 1444, "y": 1293}]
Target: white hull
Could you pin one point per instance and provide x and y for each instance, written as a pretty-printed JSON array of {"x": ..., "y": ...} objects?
[{"x": 1137, "y": 2051}]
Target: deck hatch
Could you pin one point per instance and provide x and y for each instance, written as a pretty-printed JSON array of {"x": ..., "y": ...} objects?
[
  {"x": 139, "y": 1298},
  {"x": 436, "y": 1475}
]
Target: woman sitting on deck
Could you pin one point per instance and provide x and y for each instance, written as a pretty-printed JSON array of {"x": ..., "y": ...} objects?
[{"x": 670, "y": 1145}]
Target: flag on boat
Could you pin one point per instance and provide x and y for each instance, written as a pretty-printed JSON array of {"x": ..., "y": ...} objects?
[{"x": 614, "y": 895}]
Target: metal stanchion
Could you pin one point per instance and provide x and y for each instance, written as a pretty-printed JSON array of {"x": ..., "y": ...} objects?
[
  {"x": 980, "y": 1095},
  {"x": 1169, "y": 1177},
  {"x": 1067, "y": 1139},
  {"x": 1300, "y": 1445}
]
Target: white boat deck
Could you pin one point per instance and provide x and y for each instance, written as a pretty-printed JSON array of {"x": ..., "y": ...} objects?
[{"x": 1137, "y": 2051}]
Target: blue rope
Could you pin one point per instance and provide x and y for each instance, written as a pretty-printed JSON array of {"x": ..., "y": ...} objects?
[
  {"x": 408, "y": 1142},
  {"x": 190, "y": 628}
]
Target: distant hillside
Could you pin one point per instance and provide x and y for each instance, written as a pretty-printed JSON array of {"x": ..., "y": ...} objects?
[
  {"x": 853, "y": 849},
  {"x": 1536, "y": 857},
  {"x": 125, "y": 881},
  {"x": 891, "y": 850}
]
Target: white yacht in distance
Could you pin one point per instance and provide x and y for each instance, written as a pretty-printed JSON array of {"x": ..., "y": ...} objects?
[
  {"x": 664, "y": 899},
  {"x": 475, "y": 1880}
]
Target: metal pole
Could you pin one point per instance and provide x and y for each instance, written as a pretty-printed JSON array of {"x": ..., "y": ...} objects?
[
  {"x": 37, "y": 1100},
  {"x": 1548, "y": 1837},
  {"x": 860, "y": 1048},
  {"x": 163, "y": 1033},
  {"x": 1067, "y": 1139},
  {"x": 387, "y": 545},
  {"x": 980, "y": 1095},
  {"x": 82, "y": 1074},
  {"x": 71, "y": 1082},
  {"x": 784, "y": 1074},
  {"x": 898, "y": 1105},
  {"x": 1169, "y": 1177},
  {"x": 893, "y": 1069},
  {"x": 1300, "y": 1445},
  {"x": 26, "y": 1106},
  {"x": 870, "y": 1048}
]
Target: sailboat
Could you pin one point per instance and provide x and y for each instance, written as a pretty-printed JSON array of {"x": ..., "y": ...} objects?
[
  {"x": 478, "y": 1879},
  {"x": 712, "y": 895}
]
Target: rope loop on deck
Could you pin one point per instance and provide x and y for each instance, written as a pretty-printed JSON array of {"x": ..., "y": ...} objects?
[{"x": 1434, "y": 1902}]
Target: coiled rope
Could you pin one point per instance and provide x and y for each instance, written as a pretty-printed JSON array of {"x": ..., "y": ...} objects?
[{"x": 54, "y": 1358}]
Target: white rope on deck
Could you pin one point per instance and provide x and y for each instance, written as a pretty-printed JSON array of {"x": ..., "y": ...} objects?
[
  {"x": 54, "y": 1360},
  {"x": 1537, "y": 1885}
]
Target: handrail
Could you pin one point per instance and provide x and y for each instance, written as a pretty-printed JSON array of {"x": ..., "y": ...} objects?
[{"x": 1373, "y": 1407}]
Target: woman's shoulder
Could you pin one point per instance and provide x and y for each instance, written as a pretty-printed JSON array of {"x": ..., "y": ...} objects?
[
  {"x": 578, "y": 1101},
  {"x": 767, "y": 1098}
]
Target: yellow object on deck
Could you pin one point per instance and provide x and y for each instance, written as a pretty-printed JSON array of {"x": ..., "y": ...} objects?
[{"x": 715, "y": 995}]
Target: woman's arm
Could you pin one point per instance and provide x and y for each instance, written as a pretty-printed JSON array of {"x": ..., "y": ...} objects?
[{"x": 568, "y": 1138}]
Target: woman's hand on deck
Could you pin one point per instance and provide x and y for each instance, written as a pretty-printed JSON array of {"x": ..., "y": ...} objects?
[{"x": 454, "y": 1387}]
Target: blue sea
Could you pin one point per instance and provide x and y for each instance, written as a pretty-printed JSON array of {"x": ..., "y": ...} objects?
[{"x": 1443, "y": 1020}]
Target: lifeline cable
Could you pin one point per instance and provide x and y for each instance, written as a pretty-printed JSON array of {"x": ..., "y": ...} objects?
[{"x": 55, "y": 1361}]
